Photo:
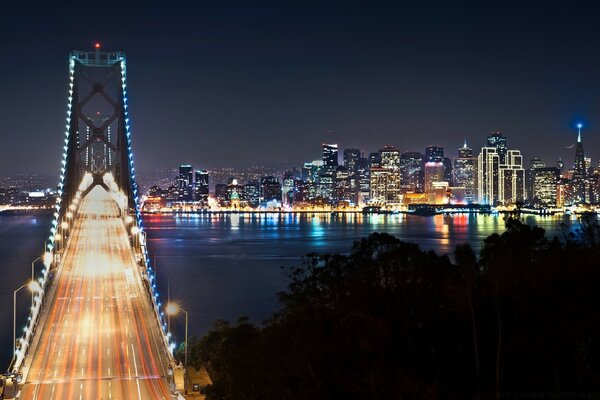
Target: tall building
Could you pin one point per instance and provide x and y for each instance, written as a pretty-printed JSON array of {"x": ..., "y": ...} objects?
[
  {"x": 488, "y": 165},
  {"x": 344, "y": 187},
  {"x": 434, "y": 154},
  {"x": 351, "y": 157},
  {"x": 511, "y": 182},
  {"x": 545, "y": 186},
  {"x": 390, "y": 161},
  {"x": 378, "y": 185},
  {"x": 330, "y": 156},
  {"x": 185, "y": 183},
  {"x": 498, "y": 141},
  {"x": 464, "y": 173},
  {"x": 375, "y": 159},
  {"x": 579, "y": 178},
  {"x": 434, "y": 181},
  {"x": 201, "y": 185},
  {"x": 411, "y": 172},
  {"x": 270, "y": 190},
  {"x": 363, "y": 180}
]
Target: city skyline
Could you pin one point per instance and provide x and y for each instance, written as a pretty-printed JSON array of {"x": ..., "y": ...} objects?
[{"x": 274, "y": 79}]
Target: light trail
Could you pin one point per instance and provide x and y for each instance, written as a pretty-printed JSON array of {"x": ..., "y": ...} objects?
[{"x": 101, "y": 339}]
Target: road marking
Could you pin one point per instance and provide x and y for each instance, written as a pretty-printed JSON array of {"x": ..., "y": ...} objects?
[{"x": 137, "y": 381}]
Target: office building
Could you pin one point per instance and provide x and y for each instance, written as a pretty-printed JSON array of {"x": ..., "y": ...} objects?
[
  {"x": 498, "y": 141},
  {"x": 488, "y": 165},
  {"x": 411, "y": 172}
]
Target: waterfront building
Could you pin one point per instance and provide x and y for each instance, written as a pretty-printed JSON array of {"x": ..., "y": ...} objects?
[
  {"x": 379, "y": 178},
  {"x": 464, "y": 174},
  {"x": 390, "y": 161},
  {"x": 488, "y": 164},
  {"x": 221, "y": 193},
  {"x": 411, "y": 172},
  {"x": 270, "y": 190},
  {"x": 535, "y": 163},
  {"x": 434, "y": 181},
  {"x": 185, "y": 182},
  {"x": 511, "y": 182},
  {"x": 251, "y": 193},
  {"x": 344, "y": 187},
  {"x": 545, "y": 186},
  {"x": 363, "y": 180},
  {"x": 201, "y": 186},
  {"x": 579, "y": 178}
]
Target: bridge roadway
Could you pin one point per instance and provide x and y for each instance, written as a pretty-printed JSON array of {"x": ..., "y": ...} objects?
[{"x": 100, "y": 338}]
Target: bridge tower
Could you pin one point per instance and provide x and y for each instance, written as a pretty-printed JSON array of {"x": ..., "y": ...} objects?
[{"x": 97, "y": 138}]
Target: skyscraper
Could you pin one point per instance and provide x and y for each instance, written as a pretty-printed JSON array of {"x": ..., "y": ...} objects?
[
  {"x": 545, "y": 186},
  {"x": 498, "y": 141},
  {"x": 411, "y": 172},
  {"x": 330, "y": 156},
  {"x": 390, "y": 161},
  {"x": 464, "y": 173},
  {"x": 351, "y": 157},
  {"x": 511, "y": 182},
  {"x": 185, "y": 183},
  {"x": 434, "y": 180},
  {"x": 579, "y": 181},
  {"x": 201, "y": 186},
  {"x": 488, "y": 164},
  {"x": 434, "y": 154}
]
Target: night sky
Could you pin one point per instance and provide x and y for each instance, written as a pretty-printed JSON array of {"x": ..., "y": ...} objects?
[{"x": 244, "y": 83}]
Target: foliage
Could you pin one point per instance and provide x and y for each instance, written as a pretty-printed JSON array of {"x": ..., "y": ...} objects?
[{"x": 391, "y": 321}]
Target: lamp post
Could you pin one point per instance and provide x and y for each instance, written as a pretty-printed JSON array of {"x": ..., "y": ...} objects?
[
  {"x": 173, "y": 309},
  {"x": 34, "y": 287}
]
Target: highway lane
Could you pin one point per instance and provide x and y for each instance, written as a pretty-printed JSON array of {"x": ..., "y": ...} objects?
[{"x": 101, "y": 339}]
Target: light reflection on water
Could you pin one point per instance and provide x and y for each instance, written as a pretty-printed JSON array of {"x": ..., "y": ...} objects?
[{"x": 228, "y": 265}]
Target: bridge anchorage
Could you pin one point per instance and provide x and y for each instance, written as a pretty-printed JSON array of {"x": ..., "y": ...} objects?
[{"x": 96, "y": 329}]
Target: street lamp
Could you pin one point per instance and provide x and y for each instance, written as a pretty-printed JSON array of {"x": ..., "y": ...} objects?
[
  {"x": 35, "y": 288},
  {"x": 173, "y": 309}
]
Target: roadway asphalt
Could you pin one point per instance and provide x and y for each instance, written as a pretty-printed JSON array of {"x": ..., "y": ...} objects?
[{"x": 101, "y": 339}]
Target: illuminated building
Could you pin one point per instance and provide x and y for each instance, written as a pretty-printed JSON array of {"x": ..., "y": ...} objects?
[
  {"x": 330, "y": 156},
  {"x": 579, "y": 181},
  {"x": 251, "y": 193},
  {"x": 434, "y": 181},
  {"x": 390, "y": 161},
  {"x": 488, "y": 164},
  {"x": 498, "y": 141},
  {"x": 185, "y": 182},
  {"x": 201, "y": 186},
  {"x": 434, "y": 154},
  {"x": 411, "y": 172},
  {"x": 545, "y": 186},
  {"x": 351, "y": 157},
  {"x": 270, "y": 190},
  {"x": 511, "y": 182},
  {"x": 344, "y": 186},
  {"x": 464, "y": 174},
  {"x": 221, "y": 193},
  {"x": 379, "y": 178},
  {"x": 375, "y": 159},
  {"x": 363, "y": 180},
  {"x": 535, "y": 163}
]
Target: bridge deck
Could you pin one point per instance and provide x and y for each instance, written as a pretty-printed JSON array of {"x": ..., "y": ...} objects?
[{"x": 100, "y": 339}]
